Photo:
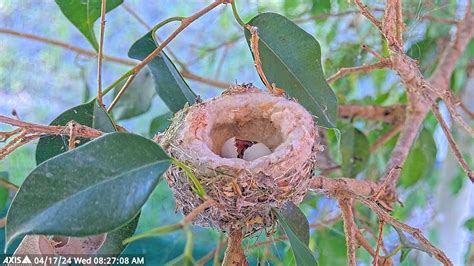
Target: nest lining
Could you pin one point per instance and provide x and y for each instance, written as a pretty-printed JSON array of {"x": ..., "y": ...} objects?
[{"x": 245, "y": 190}]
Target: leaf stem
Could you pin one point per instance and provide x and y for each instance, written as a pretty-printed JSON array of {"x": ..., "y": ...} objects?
[
  {"x": 100, "y": 53},
  {"x": 236, "y": 14},
  {"x": 166, "y": 21},
  {"x": 395, "y": 251},
  {"x": 116, "y": 82},
  {"x": 188, "y": 249}
]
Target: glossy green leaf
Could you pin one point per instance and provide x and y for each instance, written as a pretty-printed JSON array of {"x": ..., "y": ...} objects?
[
  {"x": 83, "y": 14},
  {"x": 160, "y": 123},
  {"x": 88, "y": 114},
  {"x": 420, "y": 160},
  {"x": 169, "y": 84},
  {"x": 113, "y": 245},
  {"x": 4, "y": 193},
  {"x": 297, "y": 221},
  {"x": 137, "y": 98},
  {"x": 90, "y": 190},
  {"x": 355, "y": 151},
  {"x": 331, "y": 245},
  {"x": 291, "y": 58},
  {"x": 302, "y": 253}
]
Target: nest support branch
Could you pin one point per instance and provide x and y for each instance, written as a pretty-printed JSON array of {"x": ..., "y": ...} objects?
[{"x": 234, "y": 254}]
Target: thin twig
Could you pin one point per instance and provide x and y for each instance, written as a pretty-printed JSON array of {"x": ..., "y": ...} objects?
[
  {"x": 72, "y": 136},
  {"x": 135, "y": 16},
  {"x": 215, "y": 83},
  {"x": 363, "y": 242},
  {"x": 448, "y": 99},
  {"x": 88, "y": 53},
  {"x": 100, "y": 53},
  {"x": 93, "y": 54},
  {"x": 366, "y": 12},
  {"x": 386, "y": 137},
  {"x": 185, "y": 22},
  {"x": 416, "y": 233},
  {"x": 374, "y": 53},
  {"x": 82, "y": 131},
  {"x": 452, "y": 143},
  {"x": 258, "y": 63},
  {"x": 345, "y": 204},
  {"x": 358, "y": 69},
  {"x": 8, "y": 185},
  {"x": 24, "y": 139},
  {"x": 465, "y": 109},
  {"x": 196, "y": 211},
  {"x": 379, "y": 243},
  {"x": 121, "y": 92},
  {"x": 211, "y": 253},
  {"x": 351, "y": 12}
]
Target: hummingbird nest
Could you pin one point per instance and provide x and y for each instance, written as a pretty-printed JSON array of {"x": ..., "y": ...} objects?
[{"x": 248, "y": 183}]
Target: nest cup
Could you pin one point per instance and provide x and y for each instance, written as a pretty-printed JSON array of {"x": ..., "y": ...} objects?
[{"x": 244, "y": 190}]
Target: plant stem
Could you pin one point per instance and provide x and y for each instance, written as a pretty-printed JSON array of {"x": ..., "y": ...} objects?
[
  {"x": 185, "y": 22},
  {"x": 236, "y": 14},
  {"x": 100, "y": 53},
  {"x": 395, "y": 251}
]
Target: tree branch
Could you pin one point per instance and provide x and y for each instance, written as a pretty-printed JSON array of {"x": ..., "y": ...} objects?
[
  {"x": 452, "y": 143},
  {"x": 345, "y": 204},
  {"x": 234, "y": 254},
  {"x": 416, "y": 233},
  {"x": 29, "y": 132},
  {"x": 394, "y": 114}
]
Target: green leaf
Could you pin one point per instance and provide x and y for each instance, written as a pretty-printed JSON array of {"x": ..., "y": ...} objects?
[
  {"x": 291, "y": 58},
  {"x": 88, "y": 114},
  {"x": 90, "y": 190},
  {"x": 4, "y": 193},
  {"x": 297, "y": 221},
  {"x": 420, "y": 161},
  {"x": 457, "y": 182},
  {"x": 83, "y": 14},
  {"x": 160, "y": 123},
  {"x": 290, "y": 6},
  {"x": 404, "y": 254},
  {"x": 113, "y": 245},
  {"x": 355, "y": 151},
  {"x": 302, "y": 253},
  {"x": 321, "y": 7},
  {"x": 169, "y": 84},
  {"x": 469, "y": 224},
  {"x": 331, "y": 245},
  {"x": 138, "y": 97}
]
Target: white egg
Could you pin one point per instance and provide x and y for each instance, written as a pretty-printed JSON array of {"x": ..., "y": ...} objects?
[
  {"x": 229, "y": 150},
  {"x": 256, "y": 151}
]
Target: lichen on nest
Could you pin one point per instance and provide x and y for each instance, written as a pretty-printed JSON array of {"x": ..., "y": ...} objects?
[{"x": 244, "y": 190}]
